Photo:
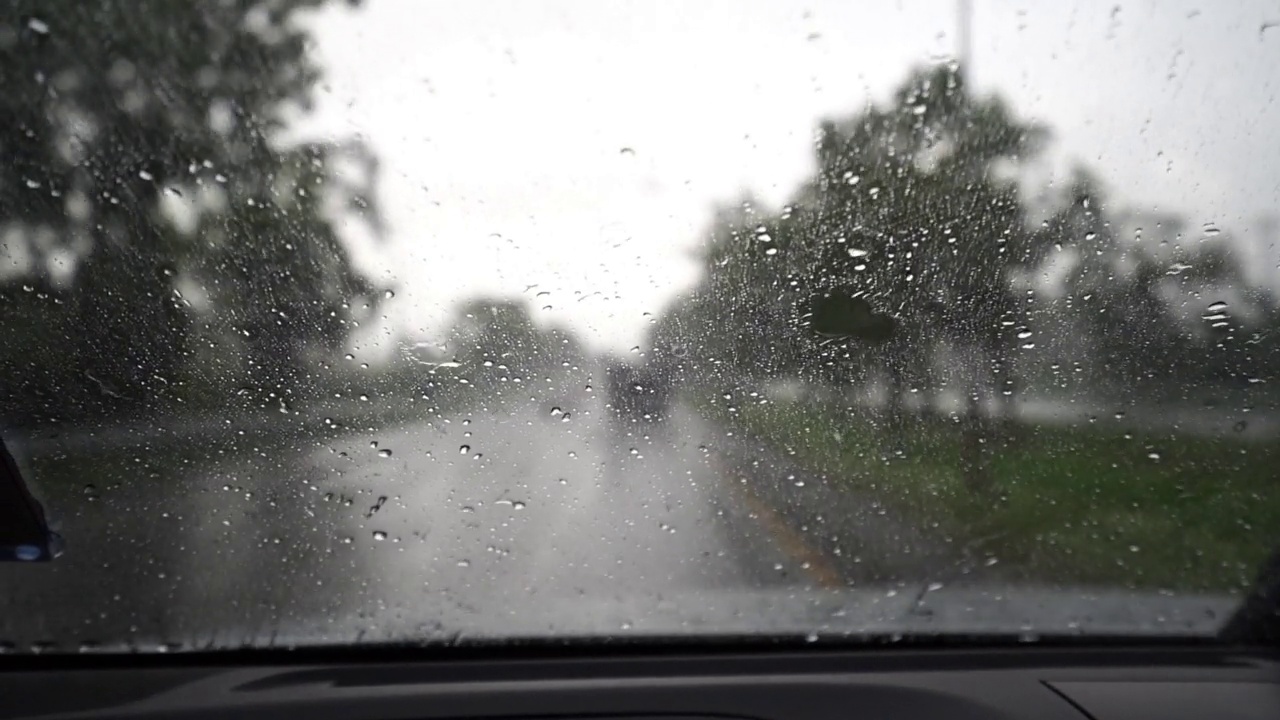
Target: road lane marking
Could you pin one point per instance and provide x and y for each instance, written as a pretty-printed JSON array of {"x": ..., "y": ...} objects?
[{"x": 808, "y": 558}]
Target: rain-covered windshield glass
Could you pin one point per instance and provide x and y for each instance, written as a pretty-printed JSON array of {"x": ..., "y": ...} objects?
[{"x": 350, "y": 322}]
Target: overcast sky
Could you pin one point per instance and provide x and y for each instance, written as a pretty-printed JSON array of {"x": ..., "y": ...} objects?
[{"x": 578, "y": 148}]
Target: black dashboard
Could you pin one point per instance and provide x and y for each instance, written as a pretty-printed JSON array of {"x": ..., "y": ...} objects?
[{"x": 758, "y": 683}]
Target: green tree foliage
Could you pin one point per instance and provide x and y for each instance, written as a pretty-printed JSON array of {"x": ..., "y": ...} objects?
[
  {"x": 142, "y": 166},
  {"x": 912, "y": 256},
  {"x": 913, "y": 212},
  {"x": 1164, "y": 310}
]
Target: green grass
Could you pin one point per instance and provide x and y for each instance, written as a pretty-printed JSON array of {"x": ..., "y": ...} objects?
[{"x": 1068, "y": 505}]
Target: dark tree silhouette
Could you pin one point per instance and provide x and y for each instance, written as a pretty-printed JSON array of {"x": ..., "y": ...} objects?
[
  {"x": 115, "y": 114},
  {"x": 914, "y": 210}
]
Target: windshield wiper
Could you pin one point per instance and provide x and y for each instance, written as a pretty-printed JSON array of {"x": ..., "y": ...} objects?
[
  {"x": 24, "y": 532},
  {"x": 1258, "y": 619}
]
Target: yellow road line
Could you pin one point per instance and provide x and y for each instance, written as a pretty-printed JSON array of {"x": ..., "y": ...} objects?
[{"x": 813, "y": 561}]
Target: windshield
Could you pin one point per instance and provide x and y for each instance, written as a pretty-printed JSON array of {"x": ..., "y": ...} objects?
[{"x": 350, "y": 322}]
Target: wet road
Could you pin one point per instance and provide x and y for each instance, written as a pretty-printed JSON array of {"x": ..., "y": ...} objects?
[
  {"x": 492, "y": 520},
  {"x": 511, "y": 520}
]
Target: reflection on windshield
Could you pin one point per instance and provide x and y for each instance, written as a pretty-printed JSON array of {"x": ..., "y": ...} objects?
[{"x": 384, "y": 321}]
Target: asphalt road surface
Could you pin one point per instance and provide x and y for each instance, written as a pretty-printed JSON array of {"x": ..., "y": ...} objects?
[{"x": 516, "y": 519}]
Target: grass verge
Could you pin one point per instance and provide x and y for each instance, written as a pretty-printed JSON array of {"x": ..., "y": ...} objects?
[{"x": 1069, "y": 505}]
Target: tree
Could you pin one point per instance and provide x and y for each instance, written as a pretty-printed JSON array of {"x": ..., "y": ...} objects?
[
  {"x": 1152, "y": 300},
  {"x": 914, "y": 210},
  {"x": 498, "y": 347},
  {"x": 115, "y": 113}
]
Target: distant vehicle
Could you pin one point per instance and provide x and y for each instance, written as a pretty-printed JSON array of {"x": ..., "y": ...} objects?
[{"x": 637, "y": 393}]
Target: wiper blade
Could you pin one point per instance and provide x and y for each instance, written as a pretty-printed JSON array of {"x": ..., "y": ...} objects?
[
  {"x": 1258, "y": 619},
  {"x": 24, "y": 532}
]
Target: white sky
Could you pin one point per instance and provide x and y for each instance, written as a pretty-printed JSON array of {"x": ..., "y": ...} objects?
[{"x": 501, "y": 126}]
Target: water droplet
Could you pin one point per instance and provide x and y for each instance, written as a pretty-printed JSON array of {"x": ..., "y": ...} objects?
[
  {"x": 634, "y": 451},
  {"x": 37, "y": 25},
  {"x": 1028, "y": 346},
  {"x": 384, "y": 453},
  {"x": 1211, "y": 230},
  {"x": 771, "y": 251},
  {"x": 856, "y": 253},
  {"x": 464, "y": 449},
  {"x": 933, "y": 587},
  {"x": 1217, "y": 307},
  {"x": 464, "y": 563},
  {"x": 555, "y": 411},
  {"x": 1024, "y": 334},
  {"x": 389, "y": 294},
  {"x": 146, "y": 175},
  {"x": 517, "y": 505},
  {"x": 627, "y": 152},
  {"x": 565, "y": 417},
  {"x": 379, "y": 535},
  {"x": 1240, "y": 426},
  {"x": 1153, "y": 455}
]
